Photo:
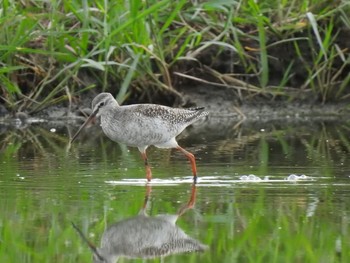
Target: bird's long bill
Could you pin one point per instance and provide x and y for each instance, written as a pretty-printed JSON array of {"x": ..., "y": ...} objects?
[
  {"x": 83, "y": 126},
  {"x": 91, "y": 245}
]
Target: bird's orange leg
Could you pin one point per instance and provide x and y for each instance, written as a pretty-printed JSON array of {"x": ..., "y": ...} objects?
[
  {"x": 192, "y": 159},
  {"x": 148, "y": 168}
]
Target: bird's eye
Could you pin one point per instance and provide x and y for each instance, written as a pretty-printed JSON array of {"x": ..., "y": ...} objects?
[{"x": 101, "y": 104}]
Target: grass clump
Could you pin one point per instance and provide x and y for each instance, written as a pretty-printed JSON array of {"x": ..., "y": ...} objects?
[{"x": 144, "y": 50}]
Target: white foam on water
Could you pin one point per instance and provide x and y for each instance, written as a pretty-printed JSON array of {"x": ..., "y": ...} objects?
[
  {"x": 294, "y": 177},
  {"x": 224, "y": 180}
]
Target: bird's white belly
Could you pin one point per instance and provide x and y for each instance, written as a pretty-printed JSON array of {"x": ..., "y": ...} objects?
[{"x": 138, "y": 133}]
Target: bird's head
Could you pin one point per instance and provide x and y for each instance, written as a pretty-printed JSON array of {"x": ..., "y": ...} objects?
[{"x": 100, "y": 104}]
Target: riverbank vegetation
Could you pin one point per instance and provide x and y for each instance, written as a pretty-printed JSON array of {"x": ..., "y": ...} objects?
[{"x": 54, "y": 51}]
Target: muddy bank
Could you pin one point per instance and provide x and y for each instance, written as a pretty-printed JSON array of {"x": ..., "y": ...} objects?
[
  {"x": 223, "y": 105},
  {"x": 223, "y": 102}
]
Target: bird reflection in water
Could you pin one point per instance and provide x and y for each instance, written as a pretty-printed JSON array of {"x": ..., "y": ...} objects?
[{"x": 145, "y": 236}]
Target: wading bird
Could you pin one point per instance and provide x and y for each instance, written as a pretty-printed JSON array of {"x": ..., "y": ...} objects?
[{"x": 143, "y": 125}]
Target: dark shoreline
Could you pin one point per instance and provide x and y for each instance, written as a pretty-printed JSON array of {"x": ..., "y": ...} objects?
[
  {"x": 221, "y": 104},
  {"x": 217, "y": 120}
]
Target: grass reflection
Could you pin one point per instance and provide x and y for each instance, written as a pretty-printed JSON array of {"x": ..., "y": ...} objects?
[
  {"x": 43, "y": 188},
  {"x": 274, "y": 228}
]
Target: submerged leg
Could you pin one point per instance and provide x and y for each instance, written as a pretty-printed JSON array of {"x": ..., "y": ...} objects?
[
  {"x": 190, "y": 203},
  {"x": 192, "y": 159},
  {"x": 143, "y": 210},
  {"x": 148, "y": 168}
]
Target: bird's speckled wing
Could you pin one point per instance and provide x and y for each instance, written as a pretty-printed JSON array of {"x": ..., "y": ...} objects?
[{"x": 174, "y": 116}]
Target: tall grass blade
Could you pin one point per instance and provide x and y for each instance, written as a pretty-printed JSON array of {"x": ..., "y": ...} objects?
[
  {"x": 263, "y": 53},
  {"x": 172, "y": 16},
  {"x": 153, "y": 8},
  {"x": 126, "y": 83},
  {"x": 314, "y": 26}
]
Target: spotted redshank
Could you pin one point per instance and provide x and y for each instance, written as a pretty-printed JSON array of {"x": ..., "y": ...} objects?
[
  {"x": 143, "y": 125},
  {"x": 145, "y": 236}
]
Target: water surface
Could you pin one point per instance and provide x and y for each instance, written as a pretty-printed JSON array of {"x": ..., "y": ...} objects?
[{"x": 267, "y": 191}]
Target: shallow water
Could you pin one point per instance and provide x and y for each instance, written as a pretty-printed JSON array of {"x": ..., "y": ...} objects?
[{"x": 267, "y": 192}]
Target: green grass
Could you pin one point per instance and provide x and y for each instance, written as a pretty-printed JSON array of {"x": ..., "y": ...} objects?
[{"x": 53, "y": 51}]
